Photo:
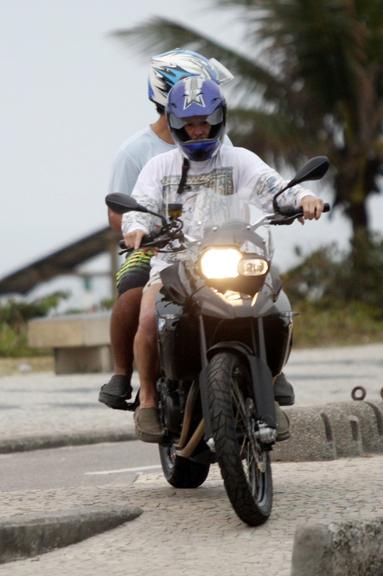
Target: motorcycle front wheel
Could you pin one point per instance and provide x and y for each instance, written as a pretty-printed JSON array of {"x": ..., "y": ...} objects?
[
  {"x": 244, "y": 464},
  {"x": 181, "y": 472}
]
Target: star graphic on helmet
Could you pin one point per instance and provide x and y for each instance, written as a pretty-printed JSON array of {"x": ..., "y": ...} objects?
[{"x": 193, "y": 94}]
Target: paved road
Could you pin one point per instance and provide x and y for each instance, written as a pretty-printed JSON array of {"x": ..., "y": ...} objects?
[
  {"x": 194, "y": 531},
  {"x": 71, "y": 466}
]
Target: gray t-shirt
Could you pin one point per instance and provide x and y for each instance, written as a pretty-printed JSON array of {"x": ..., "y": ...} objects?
[{"x": 132, "y": 157}]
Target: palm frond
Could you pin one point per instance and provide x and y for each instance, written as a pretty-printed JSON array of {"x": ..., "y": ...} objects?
[
  {"x": 159, "y": 34},
  {"x": 276, "y": 137}
]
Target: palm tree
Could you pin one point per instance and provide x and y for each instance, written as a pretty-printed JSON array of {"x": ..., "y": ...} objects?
[{"x": 314, "y": 85}]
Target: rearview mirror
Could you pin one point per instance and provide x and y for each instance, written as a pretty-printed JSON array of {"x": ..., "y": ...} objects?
[
  {"x": 121, "y": 203},
  {"x": 314, "y": 169}
]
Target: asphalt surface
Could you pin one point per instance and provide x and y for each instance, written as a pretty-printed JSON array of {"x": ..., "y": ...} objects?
[
  {"x": 192, "y": 531},
  {"x": 70, "y": 466}
]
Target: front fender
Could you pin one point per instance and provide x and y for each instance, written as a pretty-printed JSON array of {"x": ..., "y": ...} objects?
[{"x": 261, "y": 378}]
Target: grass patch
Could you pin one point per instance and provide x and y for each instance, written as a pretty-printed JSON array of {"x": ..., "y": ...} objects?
[{"x": 340, "y": 326}]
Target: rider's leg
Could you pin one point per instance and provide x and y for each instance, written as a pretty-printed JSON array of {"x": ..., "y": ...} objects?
[
  {"x": 283, "y": 391},
  {"x": 148, "y": 427},
  {"x": 145, "y": 348}
]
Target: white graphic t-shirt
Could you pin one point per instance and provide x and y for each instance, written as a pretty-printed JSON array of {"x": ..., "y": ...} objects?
[{"x": 232, "y": 171}]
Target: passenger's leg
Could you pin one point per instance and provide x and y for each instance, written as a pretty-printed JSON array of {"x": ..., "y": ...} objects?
[
  {"x": 123, "y": 328},
  {"x": 131, "y": 278}
]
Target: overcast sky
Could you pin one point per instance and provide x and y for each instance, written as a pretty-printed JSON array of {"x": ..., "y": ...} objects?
[{"x": 70, "y": 95}]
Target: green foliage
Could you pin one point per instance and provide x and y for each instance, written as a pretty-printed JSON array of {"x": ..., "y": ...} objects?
[
  {"x": 333, "y": 279},
  {"x": 14, "y": 316},
  {"x": 315, "y": 326},
  {"x": 16, "y": 313},
  {"x": 337, "y": 297},
  {"x": 13, "y": 343}
]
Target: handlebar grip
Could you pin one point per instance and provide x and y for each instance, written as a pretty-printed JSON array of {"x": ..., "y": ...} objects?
[
  {"x": 326, "y": 207},
  {"x": 145, "y": 240}
]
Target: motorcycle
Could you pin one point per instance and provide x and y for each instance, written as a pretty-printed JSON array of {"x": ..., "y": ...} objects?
[{"x": 224, "y": 333}]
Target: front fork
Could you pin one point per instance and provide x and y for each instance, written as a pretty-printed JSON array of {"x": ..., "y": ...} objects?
[{"x": 261, "y": 379}]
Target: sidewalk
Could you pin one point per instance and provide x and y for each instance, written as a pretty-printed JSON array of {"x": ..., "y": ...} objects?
[{"x": 194, "y": 532}]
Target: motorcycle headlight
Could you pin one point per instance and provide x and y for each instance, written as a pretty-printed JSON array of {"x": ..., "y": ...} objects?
[
  {"x": 219, "y": 263},
  {"x": 253, "y": 267}
]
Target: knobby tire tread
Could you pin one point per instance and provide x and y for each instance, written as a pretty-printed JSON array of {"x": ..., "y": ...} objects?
[{"x": 226, "y": 443}]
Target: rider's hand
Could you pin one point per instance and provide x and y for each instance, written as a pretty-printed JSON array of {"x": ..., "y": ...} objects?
[
  {"x": 312, "y": 208},
  {"x": 134, "y": 239}
]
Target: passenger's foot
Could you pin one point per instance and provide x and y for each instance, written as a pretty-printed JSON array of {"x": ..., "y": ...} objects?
[
  {"x": 115, "y": 392},
  {"x": 283, "y": 423},
  {"x": 148, "y": 427},
  {"x": 283, "y": 391}
]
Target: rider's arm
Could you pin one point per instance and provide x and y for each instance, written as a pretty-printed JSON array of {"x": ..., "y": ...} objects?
[
  {"x": 262, "y": 183},
  {"x": 133, "y": 239},
  {"x": 148, "y": 192}
]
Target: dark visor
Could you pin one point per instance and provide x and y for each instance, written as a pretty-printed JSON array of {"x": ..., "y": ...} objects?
[{"x": 214, "y": 118}]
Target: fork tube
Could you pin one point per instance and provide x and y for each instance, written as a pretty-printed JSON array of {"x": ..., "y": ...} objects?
[
  {"x": 254, "y": 343},
  {"x": 261, "y": 340},
  {"x": 202, "y": 341}
]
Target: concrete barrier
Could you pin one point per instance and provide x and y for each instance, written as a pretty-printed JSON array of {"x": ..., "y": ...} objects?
[
  {"x": 353, "y": 548},
  {"x": 32, "y": 534},
  {"x": 330, "y": 431},
  {"x": 80, "y": 342}
]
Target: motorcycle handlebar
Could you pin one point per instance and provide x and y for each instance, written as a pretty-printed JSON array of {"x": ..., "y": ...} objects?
[
  {"x": 288, "y": 215},
  {"x": 147, "y": 239}
]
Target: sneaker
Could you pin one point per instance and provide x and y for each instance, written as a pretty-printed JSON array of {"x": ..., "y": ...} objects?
[
  {"x": 148, "y": 427},
  {"x": 283, "y": 423},
  {"x": 115, "y": 392},
  {"x": 283, "y": 391}
]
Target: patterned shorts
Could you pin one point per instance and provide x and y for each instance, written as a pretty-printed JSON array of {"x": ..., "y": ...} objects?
[{"x": 135, "y": 271}]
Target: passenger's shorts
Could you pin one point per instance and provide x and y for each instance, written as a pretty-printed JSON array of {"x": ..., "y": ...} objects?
[{"x": 135, "y": 271}]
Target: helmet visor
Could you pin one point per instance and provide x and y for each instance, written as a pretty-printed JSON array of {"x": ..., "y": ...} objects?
[{"x": 216, "y": 117}]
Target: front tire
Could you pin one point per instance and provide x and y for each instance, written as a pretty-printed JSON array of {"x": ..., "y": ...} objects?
[
  {"x": 244, "y": 464},
  {"x": 181, "y": 472}
]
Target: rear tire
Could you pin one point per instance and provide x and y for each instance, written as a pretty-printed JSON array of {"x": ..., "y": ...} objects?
[
  {"x": 181, "y": 472},
  {"x": 244, "y": 464}
]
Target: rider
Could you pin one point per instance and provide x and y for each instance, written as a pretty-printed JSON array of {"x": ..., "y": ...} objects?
[
  {"x": 196, "y": 112},
  {"x": 165, "y": 70}
]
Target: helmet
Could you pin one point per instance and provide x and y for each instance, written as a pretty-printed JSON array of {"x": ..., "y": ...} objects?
[
  {"x": 168, "y": 68},
  {"x": 196, "y": 96}
]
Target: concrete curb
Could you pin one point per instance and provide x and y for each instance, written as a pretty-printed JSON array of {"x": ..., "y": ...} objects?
[
  {"x": 320, "y": 432},
  {"x": 27, "y": 443},
  {"x": 352, "y": 548},
  {"x": 329, "y": 431},
  {"x": 32, "y": 535}
]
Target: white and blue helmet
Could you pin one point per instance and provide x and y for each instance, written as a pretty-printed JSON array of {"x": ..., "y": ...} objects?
[
  {"x": 197, "y": 96},
  {"x": 168, "y": 68}
]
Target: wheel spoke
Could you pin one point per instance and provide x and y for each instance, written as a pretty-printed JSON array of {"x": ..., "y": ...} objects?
[{"x": 248, "y": 449}]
